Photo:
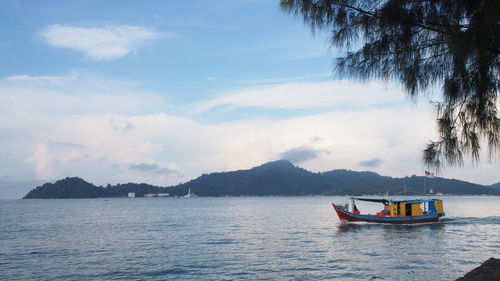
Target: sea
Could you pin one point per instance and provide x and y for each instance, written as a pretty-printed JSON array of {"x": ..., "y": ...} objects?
[{"x": 238, "y": 238}]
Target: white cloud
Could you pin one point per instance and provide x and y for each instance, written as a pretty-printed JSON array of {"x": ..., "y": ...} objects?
[
  {"x": 349, "y": 137},
  {"x": 42, "y": 158},
  {"x": 76, "y": 93},
  {"x": 40, "y": 79},
  {"x": 97, "y": 129},
  {"x": 104, "y": 43},
  {"x": 340, "y": 94}
]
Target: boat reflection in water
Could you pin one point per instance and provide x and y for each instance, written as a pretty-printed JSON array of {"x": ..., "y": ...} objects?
[
  {"x": 395, "y": 211},
  {"x": 392, "y": 229}
]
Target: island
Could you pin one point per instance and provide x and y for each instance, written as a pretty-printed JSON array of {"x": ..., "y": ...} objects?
[{"x": 276, "y": 178}]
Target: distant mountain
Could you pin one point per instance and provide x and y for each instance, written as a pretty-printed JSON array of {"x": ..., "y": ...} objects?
[
  {"x": 274, "y": 178},
  {"x": 283, "y": 178},
  {"x": 496, "y": 187},
  {"x": 279, "y": 178}
]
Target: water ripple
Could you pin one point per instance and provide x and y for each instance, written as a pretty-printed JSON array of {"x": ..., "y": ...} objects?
[{"x": 236, "y": 238}]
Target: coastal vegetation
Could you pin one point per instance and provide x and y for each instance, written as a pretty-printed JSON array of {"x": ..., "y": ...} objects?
[{"x": 277, "y": 178}]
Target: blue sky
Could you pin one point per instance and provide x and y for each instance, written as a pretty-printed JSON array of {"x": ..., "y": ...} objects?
[{"x": 163, "y": 91}]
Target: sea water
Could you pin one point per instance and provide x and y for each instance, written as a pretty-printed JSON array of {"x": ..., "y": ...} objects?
[{"x": 237, "y": 238}]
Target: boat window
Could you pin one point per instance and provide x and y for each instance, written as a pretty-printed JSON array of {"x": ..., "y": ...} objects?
[
  {"x": 408, "y": 210},
  {"x": 432, "y": 208}
]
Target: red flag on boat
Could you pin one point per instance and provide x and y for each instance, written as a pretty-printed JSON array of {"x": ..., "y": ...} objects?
[{"x": 429, "y": 174}]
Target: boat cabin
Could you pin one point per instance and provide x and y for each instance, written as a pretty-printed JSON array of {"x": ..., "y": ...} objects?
[{"x": 406, "y": 208}]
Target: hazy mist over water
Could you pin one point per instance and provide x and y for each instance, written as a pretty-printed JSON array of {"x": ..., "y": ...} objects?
[{"x": 237, "y": 238}]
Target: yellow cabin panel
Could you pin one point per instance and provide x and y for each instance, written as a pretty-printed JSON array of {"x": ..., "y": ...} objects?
[
  {"x": 416, "y": 210},
  {"x": 388, "y": 208},
  {"x": 391, "y": 208},
  {"x": 439, "y": 206},
  {"x": 398, "y": 209}
]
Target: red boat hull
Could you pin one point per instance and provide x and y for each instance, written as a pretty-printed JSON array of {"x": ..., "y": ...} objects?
[{"x": 352, "y": 217}]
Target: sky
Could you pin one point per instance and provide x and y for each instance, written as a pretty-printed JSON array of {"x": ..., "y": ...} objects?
[{"x": 163, "y": 91}]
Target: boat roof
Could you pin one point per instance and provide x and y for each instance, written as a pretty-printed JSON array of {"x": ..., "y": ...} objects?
[
  {"x": 385, "y": 201},
  {"x": 372, "y": 200}
]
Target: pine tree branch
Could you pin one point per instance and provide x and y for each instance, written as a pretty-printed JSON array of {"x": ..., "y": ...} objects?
[{"x": 360, "y": 10}]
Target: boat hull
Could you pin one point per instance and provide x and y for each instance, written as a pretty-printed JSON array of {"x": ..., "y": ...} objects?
[{"x": 352, "y": 217}]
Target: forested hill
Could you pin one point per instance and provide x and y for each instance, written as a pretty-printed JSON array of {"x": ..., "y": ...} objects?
[
  {"x": 283, "y": 178},
  {"x": 280, "y": 178},
  {"x": 78, "y": 188},
  {"x": 273, "y": 178}
]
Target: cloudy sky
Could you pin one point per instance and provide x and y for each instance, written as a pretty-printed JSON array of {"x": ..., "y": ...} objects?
[{"x": 163, "y": 91}]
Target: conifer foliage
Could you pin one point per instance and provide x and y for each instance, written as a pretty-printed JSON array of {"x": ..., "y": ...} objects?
[{"x": 451, "y": 44}]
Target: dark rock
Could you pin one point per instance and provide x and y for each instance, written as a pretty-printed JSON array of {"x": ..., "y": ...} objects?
[{"x": 488, "y": 271}]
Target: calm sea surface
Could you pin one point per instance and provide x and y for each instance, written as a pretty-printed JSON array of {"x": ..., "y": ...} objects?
[{"x": 278, "y": 238}]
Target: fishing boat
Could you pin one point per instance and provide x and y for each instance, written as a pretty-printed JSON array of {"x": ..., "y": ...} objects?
[{"x": 395, "y": 211}]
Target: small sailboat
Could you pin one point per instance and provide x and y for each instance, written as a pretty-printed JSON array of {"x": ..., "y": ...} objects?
[{"x": 395, "y": 211}]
